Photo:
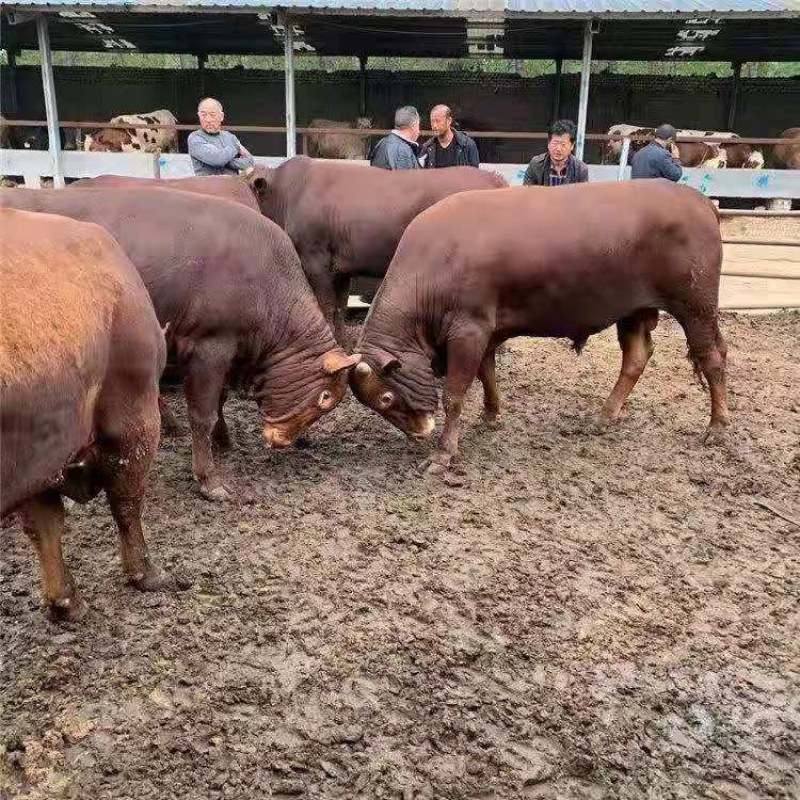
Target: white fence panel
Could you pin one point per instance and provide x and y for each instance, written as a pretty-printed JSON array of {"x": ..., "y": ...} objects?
[{"x": 34, "y": 165}]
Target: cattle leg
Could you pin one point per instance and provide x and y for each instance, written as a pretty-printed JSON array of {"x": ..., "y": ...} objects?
[
  {"x": 464, "y": 357},
  {"x": 319, "y": 271},
  {"x": 221, "y": 435},
  {"x": 341, "y": 289},
  {"x": 637, "y": 346},
  {"x": 169, "y": 422},
  {"x": 129, "y": 440},
  {"x": 43, "y": 522},
  {"x": 205, "y": 379},
  {"x": 708, "y": 354},
  {"x": 491, "y": 398}
]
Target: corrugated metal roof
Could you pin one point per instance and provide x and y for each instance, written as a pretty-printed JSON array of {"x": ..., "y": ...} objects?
[
  {"x": 574, "y": 8},
  {"x": 403, "y": 6},
  {"x": 660, "y": 7}
]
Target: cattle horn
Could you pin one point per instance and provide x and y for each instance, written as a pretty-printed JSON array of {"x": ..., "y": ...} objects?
[
  {"x": 247, "y": 172},
  {"x": 362, "y": 368},
  {"x": 337, "y": 360}
]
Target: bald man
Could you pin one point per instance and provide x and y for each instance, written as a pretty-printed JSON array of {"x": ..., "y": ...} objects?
[
  {"x": 213, "y": 150},
  {"x": 448, "y": 147}
]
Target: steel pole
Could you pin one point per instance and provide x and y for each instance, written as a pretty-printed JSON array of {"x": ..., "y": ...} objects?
[
  {"x": 51, "y": 110},
  {"x": 583, "y": 98}
]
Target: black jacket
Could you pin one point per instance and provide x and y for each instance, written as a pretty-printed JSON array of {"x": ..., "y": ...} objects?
[
  {"x": 538, "y": 171},
  {"x": 654, "y": 161},
  {"x": 466, "y": 151}
]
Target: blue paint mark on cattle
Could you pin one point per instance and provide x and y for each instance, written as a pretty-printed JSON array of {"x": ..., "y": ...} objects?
[
  {"x": 162, "y": 162},
  {"x": 762, "y": 181}
]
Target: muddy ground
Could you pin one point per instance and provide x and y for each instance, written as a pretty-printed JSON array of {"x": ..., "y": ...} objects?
[{"x": 567, "y": 616}]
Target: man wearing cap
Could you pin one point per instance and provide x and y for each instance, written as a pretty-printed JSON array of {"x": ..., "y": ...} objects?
[{"x": 659, "y": 159}]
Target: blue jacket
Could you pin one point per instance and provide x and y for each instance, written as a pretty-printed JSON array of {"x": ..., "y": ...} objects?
[
  {"x": 395, "y": 152},
  {"x": 654, "y": 161}
]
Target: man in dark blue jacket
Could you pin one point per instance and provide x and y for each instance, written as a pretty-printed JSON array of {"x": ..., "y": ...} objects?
[{"x": 660, "y": 158}]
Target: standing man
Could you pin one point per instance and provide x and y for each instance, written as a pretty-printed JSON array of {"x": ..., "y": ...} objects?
[
  {"x": 448, "y": 147},
  {"x": 557, "y": 167},
  {"x": 213, "y": 150},
  {"x": 399, "y": 150},
  {"x": 659, "y": 159}
]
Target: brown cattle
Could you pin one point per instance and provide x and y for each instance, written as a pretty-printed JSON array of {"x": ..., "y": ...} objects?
[
  {"x": 730, "y": 155},
  {"x": 226, "y": 187},
  {"x": 787, "y": 156},
  {"x": 482, "y": 267},
  {"x": 230, "y": 285},
  {"x": 136, "y": 140},
  {"x": 338, "y": 145},
  {"x": 346, "y": 219},
  {"x": 612, "y": 152},
  {"x": 710, "y": 155},
  {"x": 81, "y": 353}
]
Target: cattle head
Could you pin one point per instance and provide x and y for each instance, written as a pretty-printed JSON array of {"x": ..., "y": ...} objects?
[
  {"x": 294, "y": 400},
  {"x": 403, "y": 392},
  {"x": 755, "y": 160},
  {"x": 110, "y": 140}
]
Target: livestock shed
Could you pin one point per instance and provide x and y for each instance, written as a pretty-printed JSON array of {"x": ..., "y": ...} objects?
[{"x": 738, "y": 31}]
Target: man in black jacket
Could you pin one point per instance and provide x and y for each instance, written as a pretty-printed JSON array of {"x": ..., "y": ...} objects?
[
  {"x": 448, "y": 147},
  {"x": 557, "y": 167},
  {"x": 660, "y": 158}
]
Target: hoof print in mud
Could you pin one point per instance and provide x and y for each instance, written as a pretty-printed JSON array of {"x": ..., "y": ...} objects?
[{"x": 437, "y": 464}]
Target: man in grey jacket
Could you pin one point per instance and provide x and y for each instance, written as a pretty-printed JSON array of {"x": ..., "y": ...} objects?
[
  {"x": 213, "y": 150},
  {"x": 399, "y": 150}
]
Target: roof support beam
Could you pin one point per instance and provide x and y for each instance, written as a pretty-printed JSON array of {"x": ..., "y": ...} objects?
[
  {"x": 288, "y": 57},
  {"x": 583, "y": 97},
  {"x": 555, "y": 112},
  {"x": 362, "y": 86},
  {"x": 734, "y": 96},
  {"x": 50, "y": 107}
]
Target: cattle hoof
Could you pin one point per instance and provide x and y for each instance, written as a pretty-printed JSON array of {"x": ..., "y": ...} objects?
[
  {"x": 219, "y": 494},
  {"x": 67, "y": 609},
  {"x": 601, "y": 424},
  {"x": 715, "y": 436},
  {"x": 491, "y": 419},
  {"x": 153, "y": 581}
]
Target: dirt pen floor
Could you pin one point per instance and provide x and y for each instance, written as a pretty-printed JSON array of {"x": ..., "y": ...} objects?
[{"x": 566, "y": 616}]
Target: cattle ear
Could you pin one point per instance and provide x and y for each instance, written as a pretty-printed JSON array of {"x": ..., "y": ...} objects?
[
  {"x": 387, "y": 363},
  {"x": 259, "y": 182},
  {"x": 337, "y": 360}
]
